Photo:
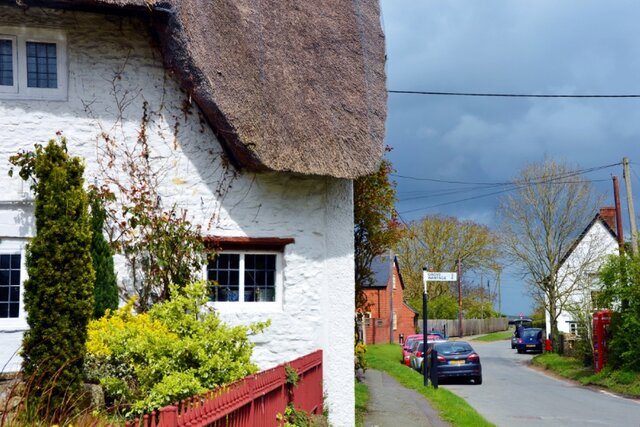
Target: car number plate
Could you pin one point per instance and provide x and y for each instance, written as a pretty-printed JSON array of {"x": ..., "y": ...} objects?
[
  {"x": 530, "y": 345},
  {"x": 456, "y": 362}
]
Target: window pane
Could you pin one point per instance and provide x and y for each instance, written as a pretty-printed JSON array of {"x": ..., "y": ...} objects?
[
  {"x": 4, "y": 310},
  {"x": 4, "y": 293},
  {"x": 224, "y": 270},
  {"x": 5, "y": 276},
  {"x": 41, "y": 65},
  {"x": 259, "y": 277},
  {"x": 14, "y": 309},
  {"x": 5, "y": 261},
  {"x": 6, "y": 63},
  {"x": 15, "y": 261}
]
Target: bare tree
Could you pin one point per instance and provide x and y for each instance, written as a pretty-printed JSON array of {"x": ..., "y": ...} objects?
[
  {"x": 437, "y": 242},
  {"x": 541, "y": 230}
]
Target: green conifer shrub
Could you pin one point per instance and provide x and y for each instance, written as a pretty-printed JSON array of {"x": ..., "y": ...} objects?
[
  {"x": 105, "y": 292},
  {"x": 58, "y": 295}
]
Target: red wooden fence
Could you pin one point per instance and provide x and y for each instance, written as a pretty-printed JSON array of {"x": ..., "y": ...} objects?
[{"x": 252, "y": 401}]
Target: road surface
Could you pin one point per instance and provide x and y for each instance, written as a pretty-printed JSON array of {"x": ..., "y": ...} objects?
[{"x": 513, "y": 394}]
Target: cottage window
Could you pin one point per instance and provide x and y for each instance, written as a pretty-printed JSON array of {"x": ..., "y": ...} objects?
[
  {"x": 246, "y": 273},
  {"x": 10, "y": 285},
  {"x": 32, "y": 64},
  {"x": 243, "y": 277},
  {"x": 12, "y": 275}
]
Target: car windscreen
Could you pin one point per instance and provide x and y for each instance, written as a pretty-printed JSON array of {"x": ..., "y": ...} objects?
[
  {"x": 452, "y": 348},
  {"x": 531, "y": 333}
]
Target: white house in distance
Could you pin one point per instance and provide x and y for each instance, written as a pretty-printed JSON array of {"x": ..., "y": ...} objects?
[
  {"x": 580, "y": 267},
  {"x": 257, "y": 117}
]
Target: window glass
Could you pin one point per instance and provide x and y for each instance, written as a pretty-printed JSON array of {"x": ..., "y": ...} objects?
[
  {"x": 243, "y": 277},
  {"x": 41, "y": 65},
  {"x": 6, "y": 62},
  {"x": 224, "y": 272},
  {"x": 9, "y": 285},
  {"x": 259, "y": 277}
]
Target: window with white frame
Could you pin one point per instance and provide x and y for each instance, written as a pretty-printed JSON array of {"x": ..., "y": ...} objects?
[
  {"x": 12, "y": 276},
  {"x": 33, "y": 64},
  {"x": 245, "y": 277}
]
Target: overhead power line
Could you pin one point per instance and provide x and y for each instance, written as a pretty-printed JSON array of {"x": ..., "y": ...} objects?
[{"x": 511, "y": 95}]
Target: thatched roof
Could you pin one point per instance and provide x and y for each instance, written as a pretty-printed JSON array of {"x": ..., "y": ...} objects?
[{"x": 293, "y": 85}]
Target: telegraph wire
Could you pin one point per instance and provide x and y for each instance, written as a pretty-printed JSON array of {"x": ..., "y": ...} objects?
[{"x": 511, "y": 95}]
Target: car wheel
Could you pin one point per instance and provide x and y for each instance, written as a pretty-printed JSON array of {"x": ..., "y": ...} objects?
[
  {"x": 512, "y": 346},
  {"x": 477, "y": 380}
]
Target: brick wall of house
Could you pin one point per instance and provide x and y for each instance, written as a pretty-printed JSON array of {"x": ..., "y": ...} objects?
[{"x": 377, "y": 328}]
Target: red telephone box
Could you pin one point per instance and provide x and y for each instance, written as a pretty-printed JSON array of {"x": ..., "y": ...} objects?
[{"x": 601, "y": 320}]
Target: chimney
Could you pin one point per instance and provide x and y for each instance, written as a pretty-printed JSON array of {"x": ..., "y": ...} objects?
[{"x": 608, "y": 214}]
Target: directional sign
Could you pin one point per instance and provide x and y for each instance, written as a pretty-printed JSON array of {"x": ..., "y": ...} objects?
[{"x": 433, "y": 276}]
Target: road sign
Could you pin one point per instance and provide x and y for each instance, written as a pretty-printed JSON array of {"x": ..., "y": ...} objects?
[{"x": 434, "y": 276}]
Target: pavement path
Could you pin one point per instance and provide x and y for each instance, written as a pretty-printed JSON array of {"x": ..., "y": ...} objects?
[{"x": 391, "y": 404}]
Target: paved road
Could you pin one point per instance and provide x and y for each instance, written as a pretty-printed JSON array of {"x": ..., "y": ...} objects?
[{"x": 514, "y": 395}]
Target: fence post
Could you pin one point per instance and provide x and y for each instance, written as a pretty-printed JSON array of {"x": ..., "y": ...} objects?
[{"x": 168, "y": 417}]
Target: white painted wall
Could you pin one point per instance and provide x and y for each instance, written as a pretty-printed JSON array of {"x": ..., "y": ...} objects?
[
  {"x": 592, "y": 250},
  {"x": 317, "y": 305}
]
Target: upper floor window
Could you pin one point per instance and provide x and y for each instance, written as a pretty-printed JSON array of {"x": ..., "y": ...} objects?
[{"x": 32, "y": 64}]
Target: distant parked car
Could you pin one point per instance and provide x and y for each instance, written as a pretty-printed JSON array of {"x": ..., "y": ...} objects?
[
  {"x": 406, "y": 347},
  {"x": 531, "y": 340},
  {"x": 417, "y": 355},
  {"x": 457, "y": 359},
  {"x": 410, "y": 341},
  {"x": 519, "y": 324}
]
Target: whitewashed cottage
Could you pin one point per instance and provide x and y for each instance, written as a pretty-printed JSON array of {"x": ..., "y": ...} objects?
[
  {"x": 258, "y": 115},
  {"x": 579, "y": 271}
]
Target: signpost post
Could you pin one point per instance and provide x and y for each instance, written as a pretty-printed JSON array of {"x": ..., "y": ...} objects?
[{"x": 430, "y": 276}]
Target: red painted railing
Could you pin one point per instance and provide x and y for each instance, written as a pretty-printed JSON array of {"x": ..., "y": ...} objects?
[{"x": 255, "y": 400}]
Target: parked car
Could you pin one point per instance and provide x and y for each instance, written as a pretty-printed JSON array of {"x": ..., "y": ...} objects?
[
  {"x": 416, "y": 356},
  {"x": 406, "y": 347},
  {"x": 531, "y": 340},
  {"x": 519, "y": 325},
  {"x": 457, "y": 359},
  {"x": 410, "y": 341}
]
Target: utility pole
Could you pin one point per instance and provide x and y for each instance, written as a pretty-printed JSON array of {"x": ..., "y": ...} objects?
[
  {"x": 393, "y": 285},
  {"x": 632, "y": 214},
  {"x": 616, "y": 198},
  {"x": 499, "y": 294},
  {"x": 459, "y": 298}
]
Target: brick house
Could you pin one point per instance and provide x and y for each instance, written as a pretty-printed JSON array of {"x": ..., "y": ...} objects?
[{"x": 378, "y": 317}]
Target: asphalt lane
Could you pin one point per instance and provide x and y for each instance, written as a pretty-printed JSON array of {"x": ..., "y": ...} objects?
[{"x": 512, "y": 394}]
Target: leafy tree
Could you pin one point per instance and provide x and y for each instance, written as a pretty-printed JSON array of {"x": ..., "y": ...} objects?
[
  {"x": 437, "y": 242},
  {"x": 376, "y": 227},
  {"x": 621, "y": 290},
  {"x": 105, "y": 292},
  {"x": 58, "y": 295},
  {"x": 541, "y": 220},
  {"x": 443, "y": 307}
]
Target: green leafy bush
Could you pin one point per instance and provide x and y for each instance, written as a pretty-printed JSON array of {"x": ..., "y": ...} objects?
[{"x": 177, "y": 349}]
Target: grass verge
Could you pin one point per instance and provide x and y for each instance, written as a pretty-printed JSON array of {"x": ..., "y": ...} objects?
[
  {"x": 362, "y": 398},
  {"x": 451, "y": 407},
  {"x": 622, "y": 382},
  {"x": 494, "y": 336}
]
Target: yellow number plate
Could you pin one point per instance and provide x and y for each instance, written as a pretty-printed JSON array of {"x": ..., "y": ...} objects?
[{"x": 456, "y": 362}]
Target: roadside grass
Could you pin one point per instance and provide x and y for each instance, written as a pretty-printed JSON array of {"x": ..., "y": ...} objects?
[
  {"x": 362, "y": 399},
  {"x": 622, "y": 382},
  {"x": 494, "y": 336},
  {"x": 451, "y": 407}
]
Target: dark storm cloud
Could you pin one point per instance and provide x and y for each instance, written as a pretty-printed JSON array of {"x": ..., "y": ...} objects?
[{"x": 504, "y": 46}]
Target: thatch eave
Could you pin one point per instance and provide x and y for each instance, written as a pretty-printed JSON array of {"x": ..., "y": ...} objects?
[{"x": 286, "y": 86}]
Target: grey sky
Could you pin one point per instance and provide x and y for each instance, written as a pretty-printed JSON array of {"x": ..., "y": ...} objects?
[{"x": 505, "y": 46}]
